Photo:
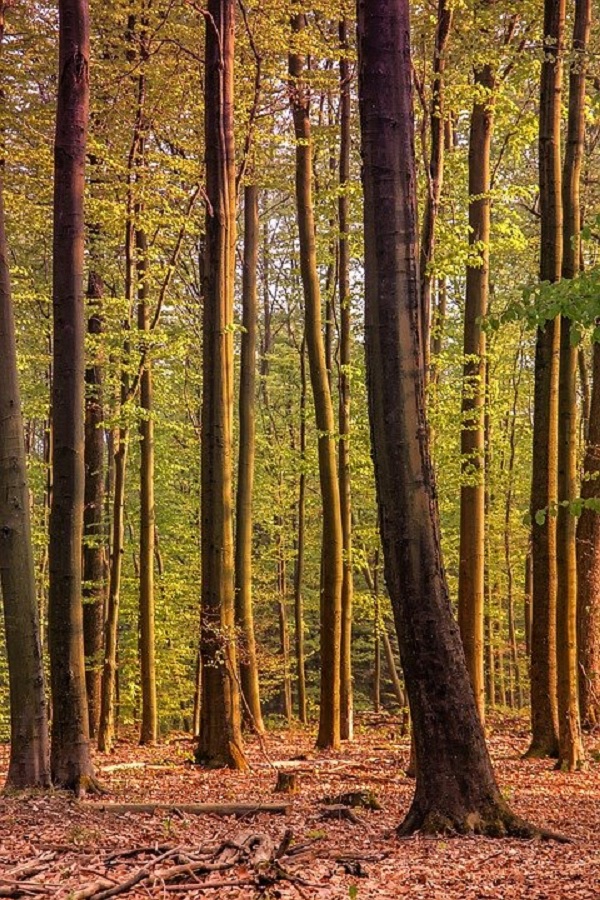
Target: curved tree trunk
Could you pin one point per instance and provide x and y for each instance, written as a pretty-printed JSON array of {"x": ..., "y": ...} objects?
[
  {"x": 243, "y": 535},
  {"x": 70, "y": 753},
  {"x": 332, "y": 538},
  {"x": 544, "y": 712},
  {"x": 220, "y": 742},
  {"x": 455, "y": 786},
  {"x": 29, "y": 765}
]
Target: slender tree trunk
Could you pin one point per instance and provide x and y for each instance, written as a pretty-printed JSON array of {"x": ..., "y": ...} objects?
[
  {"x": 376, "y": 638},
  {"x": 300, "y": 549},
  {"x": 435, "y": 173},
  {"x": 544, "y": 487},
  {"x": 332, "y": 537},
  {"x": 455, "y": 785},
  {"x": 149, "y": 724},
  {"x": 571, "y": 753},
  {"x": 94, "y": 556},
  {"x": 284, "y": 638},
  {"x": 245, "y": 483},
  {"x": 70, "y": 754},
  {"x": 472, "y": 443},
  {"x": 527, "y": 603},
  {"x": 346, "y": 699},
  {"x": 29, "y": 765},
  {"x": 220, "y": 740}
]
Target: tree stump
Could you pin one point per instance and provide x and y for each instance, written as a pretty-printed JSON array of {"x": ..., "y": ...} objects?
[{"x": 287, "y": 783}]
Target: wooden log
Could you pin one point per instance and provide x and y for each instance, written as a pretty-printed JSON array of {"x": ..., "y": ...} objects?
[{"x": 193, "y": 809}]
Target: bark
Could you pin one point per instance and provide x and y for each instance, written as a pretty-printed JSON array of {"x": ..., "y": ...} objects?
[
  {"x": 435, "y": 172},
  {"x": 571, "y": 754},
  {"x": 300, "y": 550},
  {"x": 94, "y": 556},
  {"x": 472, "y": 439},
  {"x": 29, "y": 765},
  {"x": 70, "y": 753},
  {"x": 346, "y": 698},
  {"x": 284, "y": 638},
  {"x": 332, "y": 537},
  {"x": 455, "y": 787},
  {"x": 245, "y": 484},
  {"x": 220, "y": 742},
  {"x": 544, "y": 713}
]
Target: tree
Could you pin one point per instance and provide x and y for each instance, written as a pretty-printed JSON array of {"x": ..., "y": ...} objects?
[
  {"x": 455, "y": 787},
  {"x": 247, "y": 441},
  {"x": 70, "y": 754},
  {"x": 332, "y": 536},
  {"x": 29, "y": 764},
  {"x": 544, "y": 713},
  {"x": 220, "y": 741}
]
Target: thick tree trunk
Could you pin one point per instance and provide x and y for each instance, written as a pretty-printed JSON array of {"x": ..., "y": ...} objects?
[
  {"x": 571, "y": 754},
  {"x": 29, "y": 765},
  {"x": 332, "y": 537},
  {"x": 346, "y": 698},
  {"x": 472, "y": 439},
  {"x": 220, "y": 742},
  {"x": 70, "y": 754},
  {"x": 455, "y": 786},
  {"x": 544, "y": 487},
  {"x": 243, "y": 535},
  {"x": 94, "y": 555}
]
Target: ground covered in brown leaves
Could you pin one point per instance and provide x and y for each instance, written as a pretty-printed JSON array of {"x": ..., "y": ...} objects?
[{"x": 53, "y": 846}]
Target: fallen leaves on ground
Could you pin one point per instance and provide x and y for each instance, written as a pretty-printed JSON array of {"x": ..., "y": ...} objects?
[{"x": 54, "y": 846}]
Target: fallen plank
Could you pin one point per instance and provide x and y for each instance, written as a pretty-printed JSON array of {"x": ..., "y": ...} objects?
[{"x": 193, "y": 809}]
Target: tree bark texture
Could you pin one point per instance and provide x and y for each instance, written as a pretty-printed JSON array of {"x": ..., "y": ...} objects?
[
  {"x": 455, "y": 787},
  {"x": 220, "y": 742},
  {"x": 70, "y": 756}
]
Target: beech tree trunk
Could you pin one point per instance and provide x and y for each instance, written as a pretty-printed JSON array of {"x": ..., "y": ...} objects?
[
  {"x": 245, "y": 484},
  {"x": 346, "y": 698},
  {"x": 455, "y": 787},
  {"x": 544, "y": 486},
  {"x": 29, "y": 765},
  {"x": 300, "y": 550},
  {"x": 332, "y": 537},
  {"x": 571, "y": 753},
  {"x": 220, "y": 742},
  {"x": 94, "y": 556},
  {"x": 472, "y": 438},
  {"x": 70, "y": 754}
]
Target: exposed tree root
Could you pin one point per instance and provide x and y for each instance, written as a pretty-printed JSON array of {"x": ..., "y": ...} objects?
[
  {"x": 541, "y": 751},
  {"x": 497, "y": 823}
]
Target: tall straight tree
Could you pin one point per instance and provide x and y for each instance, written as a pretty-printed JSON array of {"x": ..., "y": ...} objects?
[
  {"x": 455, "y": 787},
  {"x": 346, "y": 694},
  {"x": 220, "y": 741},
  {"x": 571, "y": 754},
  {"x": 245, "y": 484},
  {"x": 544, "y": 486},
  {"x": 29, "y": 764},
  {"x": 332, "y": 573},
  {"x": 472, "y": 436},
  {"x": 70, "y": 753}
]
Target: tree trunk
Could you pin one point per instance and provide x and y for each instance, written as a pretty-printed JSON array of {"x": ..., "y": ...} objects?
[
  {"x": 455, "y": 787},
  {"x": 435, "y": 171},
  {"x": 571, "y": 754},
  {"x": 472, "y": 441},
  {"x": 70, "y": 754},
  {"x": 29, "y": 763},
  {"x": 94, "y": 556},
  {"x": 243, "y": 535},
  {"x": 544, "y": 713},
  {"x": 332, "y": 538},
  {"x": 284, "y": 638},
  {"x": 220, "y": 742},
  {"x": 300, "y": 549},
  {"x": 346, "y": 698}
]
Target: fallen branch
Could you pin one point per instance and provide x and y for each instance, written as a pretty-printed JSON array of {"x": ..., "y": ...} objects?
[{"x": 193, "y": 809}]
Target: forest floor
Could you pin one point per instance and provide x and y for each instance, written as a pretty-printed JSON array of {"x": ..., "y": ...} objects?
[{"x": 54, "y": 846}]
